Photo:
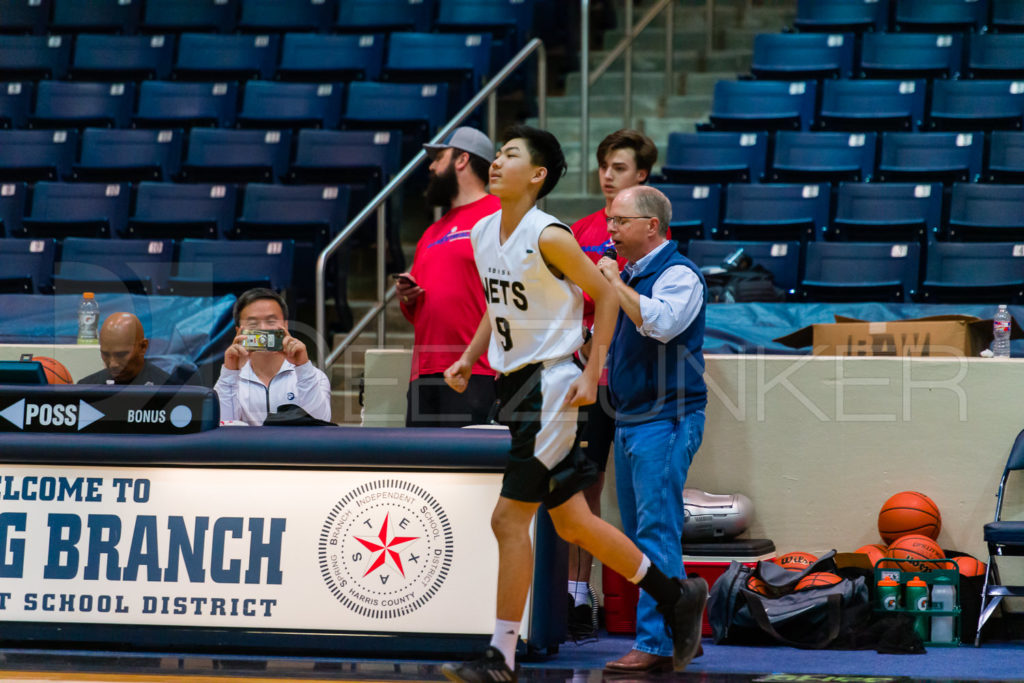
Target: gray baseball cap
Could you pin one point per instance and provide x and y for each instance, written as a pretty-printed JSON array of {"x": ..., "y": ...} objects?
[{"x": 468, "y": 140}]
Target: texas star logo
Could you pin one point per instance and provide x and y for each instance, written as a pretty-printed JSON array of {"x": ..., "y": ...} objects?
[{"x": 386, "y": 549}]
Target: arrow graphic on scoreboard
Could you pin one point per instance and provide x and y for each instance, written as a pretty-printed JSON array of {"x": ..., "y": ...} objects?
[{"x": 18, "y": 414}]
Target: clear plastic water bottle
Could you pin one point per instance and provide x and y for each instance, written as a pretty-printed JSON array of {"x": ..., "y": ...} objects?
[
  {"x": 88, "y": 319},
  {"x": 943, "y": 600},
  {"x": 1001, "y": 333}
]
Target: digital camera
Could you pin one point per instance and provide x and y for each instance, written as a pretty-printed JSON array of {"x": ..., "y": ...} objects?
[{"x": 263, "y": 340}]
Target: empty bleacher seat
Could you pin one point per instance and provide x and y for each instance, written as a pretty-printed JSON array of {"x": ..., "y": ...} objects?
[
  {"x": 30, "y": 155},
  {"x": 346, "y": 156},
  {"x": 303, "y": 213},
  {"x": 1005, "y": 157},
  {"x": 60, "y": 104},
  {"x": 77, "y": 210},
  {"x": 102, "y": 57},
  {"x": 215, "y": 57},
  {"x": 823, "y": 157},
  {"x": 776, "y": 212},
  {"x": 99, "y": 265},
  {"x": 835, "y": 16},
  {"x": 163, "y": 104},
  {"x": 25, "y": 16},
  {"x": 110, "y": 16},
  {"x": 15, "y": 104},
  {"x": 385, "y": 15},
  {"x": 715, "y": 157},
  {"x": 268, "y": 104},
  {"x": 763, "y": 105},
  {"x": 174, "y": 210},
  {"x": 939, "y": 15},
  {"x": 461, "y": 60},
  {"x": 294, "y": 15},
  {"x": 214, "y": 268},
  {"x": 986, "y": 213},
  {"x": 26, "y": 266},
  {"x": 129, "y": 155},
  {"x": 861, "y": 271},
  {"x": 418, "y": 110},
  {"x": 888, "y": 212},
  {"x": 974, "y": 272},
  {"x": 695, "y": 210},
  {"x": 781, "y": 258},
  {"x": 33, "y": 57},
  {"x": 976, "y": 105},
  {"x": 507, "y": 21},
  {"x": 872, "y": 105},
  {"x": 331, "y": 58},
  {"x": 911, "y": 55},
  {"x": 13, "y": 200},
  {"x": 1007, "y": 16},
  {"x": 996, "y": 55},
  {"x": 216, "y": 154},
  {"x": 175, "y": 16},
  {"x": 943, "y": 157},
  {"x": 799, "y": 56}
]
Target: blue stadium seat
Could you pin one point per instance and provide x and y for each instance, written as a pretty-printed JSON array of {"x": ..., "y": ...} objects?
[
  {"x": 911, "y": 55},
  {"x": 60, "y": 104},
  {"x": 861, "y": 271},
  {"x": 295, "y": 15},
  {"x": 974, "y": 272},
  {"x": 976, "y": 105},
  {"x": 837, "y": 16},
  {"x": 26, "y": 266},
  {"x": 13, "y": 198},
  {"x": 872, "y": 105},
  {"x": 25, "y": 16},
  {"x": 216, "y": 154},
  {"x": 695, "y": 210},
  {"x": 268, "y": 104},
  {"x": 509, "y": 22},
  {"x": 763, "y": 105},
  {"x": 177, "y": 210},
  {"x": 887, "y": 212},
  {"x": 34, "y": 57},
  {"x": 986, "y": 213},
  {"x": 823, "y": 157},
  {"x": 15, "y": 104},
  {"x": 77, "y": 210},
  {"x": 168, "y": 105},
  {"x": 775, "y": 212},
  {"x": 801, "y": 56},
  {"x": 312, "y": 57},
  {"x": 98, "y": 265},
  {"x": 416, "y": 110},
  {"x": 213, "y": 57},
  {"x": 781, "y": 258},
  {"x": 110, "y": 58},
  {"x": 928, "y": 157},
  {"x": 715, "y": 157},
  {"x": 176, "y": 16},
  {"x": 103, "y": 16},
  {"x": 30, "y": 155},
  {"x": 346, "y": 156},
  {"x": 939, "y": 15},
  {"x": 215, "y": 268},
  {"x": 1007, "y": 16},
  {"x": 996, "y": 55},
  {"x": 129, "y": 155},
  {"x": 462, "y": 61},
  {"x": 302, "y": 213},
  {"x": 1005, "y": 157},
  {"x": 361, "y": 16}
]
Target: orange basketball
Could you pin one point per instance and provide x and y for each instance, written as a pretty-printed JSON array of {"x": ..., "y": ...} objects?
[
  {"x": 909, "y": 512},
  {"x": 817, "y": 580},
  {"x": 55, "y": 371},
  {"x": 913, "y": 548},
  {"x": 874, "y": 551},
  {"x": 969, "y": 566},
  {"x": 796, "y": 561},
  {"x": 757, "y": 585}
]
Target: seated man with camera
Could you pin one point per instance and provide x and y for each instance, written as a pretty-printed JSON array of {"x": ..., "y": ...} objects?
[{"x": 265, "y": 367}]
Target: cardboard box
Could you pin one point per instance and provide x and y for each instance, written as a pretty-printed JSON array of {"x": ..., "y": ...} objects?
[{"x": 941, "y": 335}]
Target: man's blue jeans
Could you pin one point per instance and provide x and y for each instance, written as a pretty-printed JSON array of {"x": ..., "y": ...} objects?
[{"x": 651, "y": 461}]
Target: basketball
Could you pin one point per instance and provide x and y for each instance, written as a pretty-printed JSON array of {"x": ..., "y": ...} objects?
[
  {"x": 911, "y": 549},
  {"x": 817, "y": 580},
  {"x": 757, "y": 585},
  {"x": 909, "y": 512},
  {"x": 969, "y": 566},
  {"x": 874, "y": 551},
  {"x": 796, "y": 561},
  {"x": 55, "y": 371}
]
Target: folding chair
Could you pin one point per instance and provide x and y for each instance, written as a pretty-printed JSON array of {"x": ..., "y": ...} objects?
[
  {"x": 34, "y": 57},
  {"x": 216, "y": 154},
  {"x": 1005, "y": 157},
  {"x": 973, "y": 272},
  {"x": 460, "y": 60},
  {"x": 104, "y": 16},
  {"x": 30, "y": 155},
  {"x": 312, "y": 57},
  {"x": 507, "y": 21},
  {"x": 214, "y": 57},
  {"x": 996, "y": 55},
  {"x": 986, "y": 213},
  {"x": 23, "y": 16},
  {"x": 294, "y": 15},
  {"x": 861, "y": 271},
  {"x": 15, "y": 104},
  {"x": 939, "y": 15},
  {"x": 715, "y": 157},
  {"x": 763, "y": 105},
  {"x": 13, "y": 200},
  {"x": 98, "y": 265},
  {"x": 26, "y": 266},
  {"x": 362, "y": 16},
  {"x": 1007, "y": 16}
]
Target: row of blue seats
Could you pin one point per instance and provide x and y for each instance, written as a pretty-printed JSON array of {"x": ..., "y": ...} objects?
[
  {"x": 183, "y": 268},
  {"x": 832, "y": 156},
  {"x": 157, "y": 16},
  {"x": 880, "y": 212},
  {"x": 909, "y": 15},
  {"x": 943, "y": 272}
]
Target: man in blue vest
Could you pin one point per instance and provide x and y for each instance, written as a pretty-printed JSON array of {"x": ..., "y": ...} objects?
[{"x": 656, "y": 383}]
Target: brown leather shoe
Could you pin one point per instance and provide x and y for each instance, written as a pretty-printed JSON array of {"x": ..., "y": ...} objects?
[{"x": 636, "y": 661}]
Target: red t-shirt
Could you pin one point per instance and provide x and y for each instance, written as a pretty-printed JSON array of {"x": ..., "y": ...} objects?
[{"x": 446, "y": 315}]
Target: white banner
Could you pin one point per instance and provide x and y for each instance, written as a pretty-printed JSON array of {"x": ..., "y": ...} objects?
[{"x": 274, "y": 549}]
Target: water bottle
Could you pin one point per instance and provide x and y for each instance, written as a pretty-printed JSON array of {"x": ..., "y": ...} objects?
[
  {"x": 88, "y": 319},
  {"x": 889, "y": 594},
  {"x": 917, "y": 601},
  {"x": 943, "y": 599},
  {"x": 1001, "y": 333}
]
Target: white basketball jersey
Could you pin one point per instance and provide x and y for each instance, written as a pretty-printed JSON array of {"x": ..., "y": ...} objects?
[{"x": 534, "y": 315}]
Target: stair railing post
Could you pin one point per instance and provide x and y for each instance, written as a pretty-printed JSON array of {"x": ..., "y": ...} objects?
[
  {"x": 627, "y": 72},
  {"x": 584, "y": 94}
]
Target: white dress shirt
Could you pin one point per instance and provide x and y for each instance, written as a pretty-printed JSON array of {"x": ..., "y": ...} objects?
[
  {"x": 243, "y": 397},
  {"x": 675, "y": 300}
]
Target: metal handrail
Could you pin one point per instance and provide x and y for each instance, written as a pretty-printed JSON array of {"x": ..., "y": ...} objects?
[{"x": 377, "y": 204}]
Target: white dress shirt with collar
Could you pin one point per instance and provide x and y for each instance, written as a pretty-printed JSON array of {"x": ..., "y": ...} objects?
[
  {"x": 243, "y": 397},
  {"x": 674, "y": 302}
]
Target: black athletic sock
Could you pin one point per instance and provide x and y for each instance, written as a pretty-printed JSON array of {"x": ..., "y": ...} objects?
[{"x": 660, "y": 587}]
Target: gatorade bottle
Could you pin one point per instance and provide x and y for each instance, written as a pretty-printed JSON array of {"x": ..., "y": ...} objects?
[
  {"x": 889, "y": 594},
  {"x": 88, "y": 320},
  {"x": 917, "y": 601},
  {"x": 943, "y": 599}
]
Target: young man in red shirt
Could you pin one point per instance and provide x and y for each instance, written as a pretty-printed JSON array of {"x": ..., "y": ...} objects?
[{"x": 441, "y": 295}]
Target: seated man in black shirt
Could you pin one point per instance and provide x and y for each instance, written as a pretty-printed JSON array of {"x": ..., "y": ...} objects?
[{"x": 123, "y": 350}]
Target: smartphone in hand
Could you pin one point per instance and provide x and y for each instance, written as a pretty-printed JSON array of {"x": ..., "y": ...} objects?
[{"x": 404, "y": 279}]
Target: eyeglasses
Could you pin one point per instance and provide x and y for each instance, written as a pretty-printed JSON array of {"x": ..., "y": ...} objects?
[{"x": 622, "y": 221}]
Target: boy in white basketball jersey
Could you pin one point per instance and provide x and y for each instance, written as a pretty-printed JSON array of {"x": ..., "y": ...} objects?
[{"x": 532, "y": 269}]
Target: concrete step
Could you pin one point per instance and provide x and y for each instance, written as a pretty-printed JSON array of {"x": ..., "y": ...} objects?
[
  {"x": 567, "y": 204},
  {"x": 732, "y": 59},
  {"x": 345, "y": 408},
  {"x": 704, "y": 83},
  {"x": 658, "y": 130},
  {"x": 604, "y": 105},
  {"x": 612, "y": 83},
  {"x": 687, "y": 106},
  {"x": 648, "y": 57},
  {"x": 567, "y": 129}
]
